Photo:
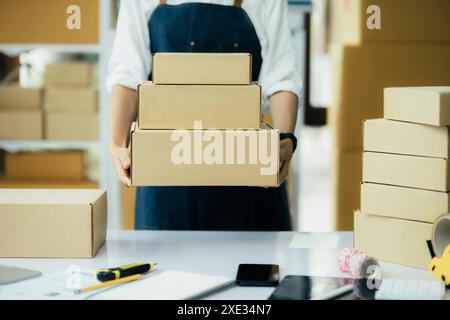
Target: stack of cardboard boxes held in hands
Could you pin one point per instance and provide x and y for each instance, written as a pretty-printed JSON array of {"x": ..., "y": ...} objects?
[
  {"x": 406, "y": 174},
  {"x": 199, "y": 124}
]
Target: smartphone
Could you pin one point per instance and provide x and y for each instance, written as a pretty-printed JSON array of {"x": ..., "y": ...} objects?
[{"x": 258, "y": 275}]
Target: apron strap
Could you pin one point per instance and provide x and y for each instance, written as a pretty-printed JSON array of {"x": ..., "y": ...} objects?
[{"x": 237, "y": 3}]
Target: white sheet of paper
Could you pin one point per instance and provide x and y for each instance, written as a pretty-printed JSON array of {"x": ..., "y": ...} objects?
[{"x": 315, "y": 241}]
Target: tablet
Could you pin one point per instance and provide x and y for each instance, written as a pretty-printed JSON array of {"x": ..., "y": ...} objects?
[{"x": 10, "y": 274}]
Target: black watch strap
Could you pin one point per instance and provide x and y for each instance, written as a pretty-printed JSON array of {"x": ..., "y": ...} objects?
[{"x": 284, "y": 136}]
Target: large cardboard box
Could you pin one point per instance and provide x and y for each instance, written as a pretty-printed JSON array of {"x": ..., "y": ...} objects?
[
  {"x": 21, "y": 125},
  {"x": 205, "y": 157},
  {"x": 401, "y": 21},
  {"x": 74, "y": 126},
  {"x": 47, "y": 184},
  {"x": 218, "y": 107},
  {"x": 71, "y": 98},
  {"x": 74, "y": 73},
  {"x": 65, "y": 165},
  {"x": 202, "y": 68},
  {"x": 16, "y": 98},
  {"x": 360, "y": 75},
  {"x": 52, "y": 223},
  {"x": 398, "y": 137},
  {"x": 404, "y": 203},
  {"x": 49, "y": 21},
  {"x": 407, "y": 171},
  {"x": 347, "y": 175},
  {"x": 426, "y": 105},
  {"x": 393, "y": 240}
]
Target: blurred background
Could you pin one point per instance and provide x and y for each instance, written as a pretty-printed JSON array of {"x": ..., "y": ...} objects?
[{"x": 46, "y": 73}]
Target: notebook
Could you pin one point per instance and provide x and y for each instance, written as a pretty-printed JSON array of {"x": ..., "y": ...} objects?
[{"x": 167, "y": 285}]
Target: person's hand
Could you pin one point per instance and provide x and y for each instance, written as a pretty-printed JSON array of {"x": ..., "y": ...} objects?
[
  {"x": 122, "y": 161},
  {"x": 286, "y": 153}
]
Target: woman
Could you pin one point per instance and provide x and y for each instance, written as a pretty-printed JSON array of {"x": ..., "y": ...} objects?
[{"x": 259, "y": 27}]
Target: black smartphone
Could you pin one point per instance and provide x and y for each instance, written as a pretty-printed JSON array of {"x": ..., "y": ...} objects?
[{"x": 258, "y": 275}]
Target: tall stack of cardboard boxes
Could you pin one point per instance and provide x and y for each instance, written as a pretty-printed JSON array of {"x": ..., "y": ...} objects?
[
  {"x": 211, "y": 98},
  {"x": 406, "y": 175},
  {"x": 71, "y": 102},
  {"x": 411, "y": 48}
]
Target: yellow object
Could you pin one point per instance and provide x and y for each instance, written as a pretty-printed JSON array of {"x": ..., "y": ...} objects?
[
  {"x": 440, "y": 267},
  {"x": 110, "y": 283}
]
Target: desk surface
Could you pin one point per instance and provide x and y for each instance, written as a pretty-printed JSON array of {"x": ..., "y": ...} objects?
[{"x": 215, "y": 253}]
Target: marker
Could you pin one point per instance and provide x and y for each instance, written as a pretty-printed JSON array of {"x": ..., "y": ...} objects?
[{"x": 104, "y": 275}]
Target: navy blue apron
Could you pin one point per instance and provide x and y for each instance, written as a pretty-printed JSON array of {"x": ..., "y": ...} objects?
[{"x": 198, "y": 27}]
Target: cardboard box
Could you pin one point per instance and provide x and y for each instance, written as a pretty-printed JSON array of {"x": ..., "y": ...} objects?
[
  {"x": 218, "y": 107},
  {"x": 346, "y": 177},
  {"x": 128, "y": 206},
  {"x": 47, "y": 21},
  {"x": 393, "y": 240},
  {"x": 187, "y": 158},
  {"x": 407, "y": 171},
  {"x": 75, "y": 126},
  {"x": 71, "y": 99},
  {"x": 360, "y": 75},
  {"x": 52, "y": 223},
  {"x": 403, "y": 203},
  {"x": 401, "y": 20},
  {"x": 65, "y": 165},
  {"x": 426, "y": 105},
  {"x": 21, "y": 125},
  {"x": 406, "y": 138},
  {"x": 15, "y": 97},
  {"x": 202, "y": 68},
  {"x": 47, "y": 184},
  {"x": 74, "y": 73}
]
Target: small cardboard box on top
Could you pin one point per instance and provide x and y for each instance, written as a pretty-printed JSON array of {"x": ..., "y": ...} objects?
[{"x": 74, "y": 73}]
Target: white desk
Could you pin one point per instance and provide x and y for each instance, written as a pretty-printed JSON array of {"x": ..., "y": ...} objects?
[{"x": 214, "y": 253}]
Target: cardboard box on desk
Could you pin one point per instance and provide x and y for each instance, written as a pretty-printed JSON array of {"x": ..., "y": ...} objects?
[
  {"x": 405, "y": 138},
  {"x": 361, "y": 74},
  {"x": 403, "y": 203},
  {"x": 218, "y": 107},
  {"x": 407, "y": 171},
  {"x": 426, "y": 105},
  {"x": 47, "y": 184},
  {"x": 75, "y": 126},
  {"x": 14, "y": 97},
  {"x": 75, "y": 73},
  {"x": 71, "y": 98},
  {"x": 202, "y": 68},
  {"x": 393, "y": 240},
  {"x": 21, "y": 125},
  {"x": 66, "y": 165},
  {"x": 205, "y": 157},
  {"x": 52, "y": 223}
]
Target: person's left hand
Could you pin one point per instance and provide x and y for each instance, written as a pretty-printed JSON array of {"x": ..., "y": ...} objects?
[{"x": 286, "y": 153}]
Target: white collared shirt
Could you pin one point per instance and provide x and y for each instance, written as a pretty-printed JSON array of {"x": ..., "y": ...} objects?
[{"x": 130, "y": 62}]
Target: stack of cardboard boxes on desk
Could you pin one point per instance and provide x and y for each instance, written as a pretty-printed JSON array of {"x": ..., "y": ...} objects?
[
  {"x": 406, "y": 175},
  {"x": 378, "y": 44}
]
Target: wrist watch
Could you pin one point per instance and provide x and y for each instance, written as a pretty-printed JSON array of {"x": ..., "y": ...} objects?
[{"x": 284, "y": 136}]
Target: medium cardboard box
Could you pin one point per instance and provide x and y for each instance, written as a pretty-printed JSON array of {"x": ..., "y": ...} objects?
[
  {"x": 407, "y": 171},
  {"x": 15, "y": 97},
  {"x": 398, "y": 137},
  {"x": 346, "y": 177},
  {"x": 401, "y": 20},
  {"x": 205, "y": 157},
  {"x": 74, "y": 73},
  {"x": 393, "y": 240},
  {"x": 42, "y": 223},
  {"x": 71, "y": 98},
  {"x": 63, "y": 165},
  {"x": 202, "y": 68},
  {"x": 218, "y": 107},
  {"x": 403, "y": 203},
  {"x": 426, "y": 105},
  {"x": 75, "y": 126},
  {"x": 360, "y": 75},
  {"x": 47, "y": 184},
  {"x": 49, "y": 21},
  {"x": 21, "y": 125}
]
